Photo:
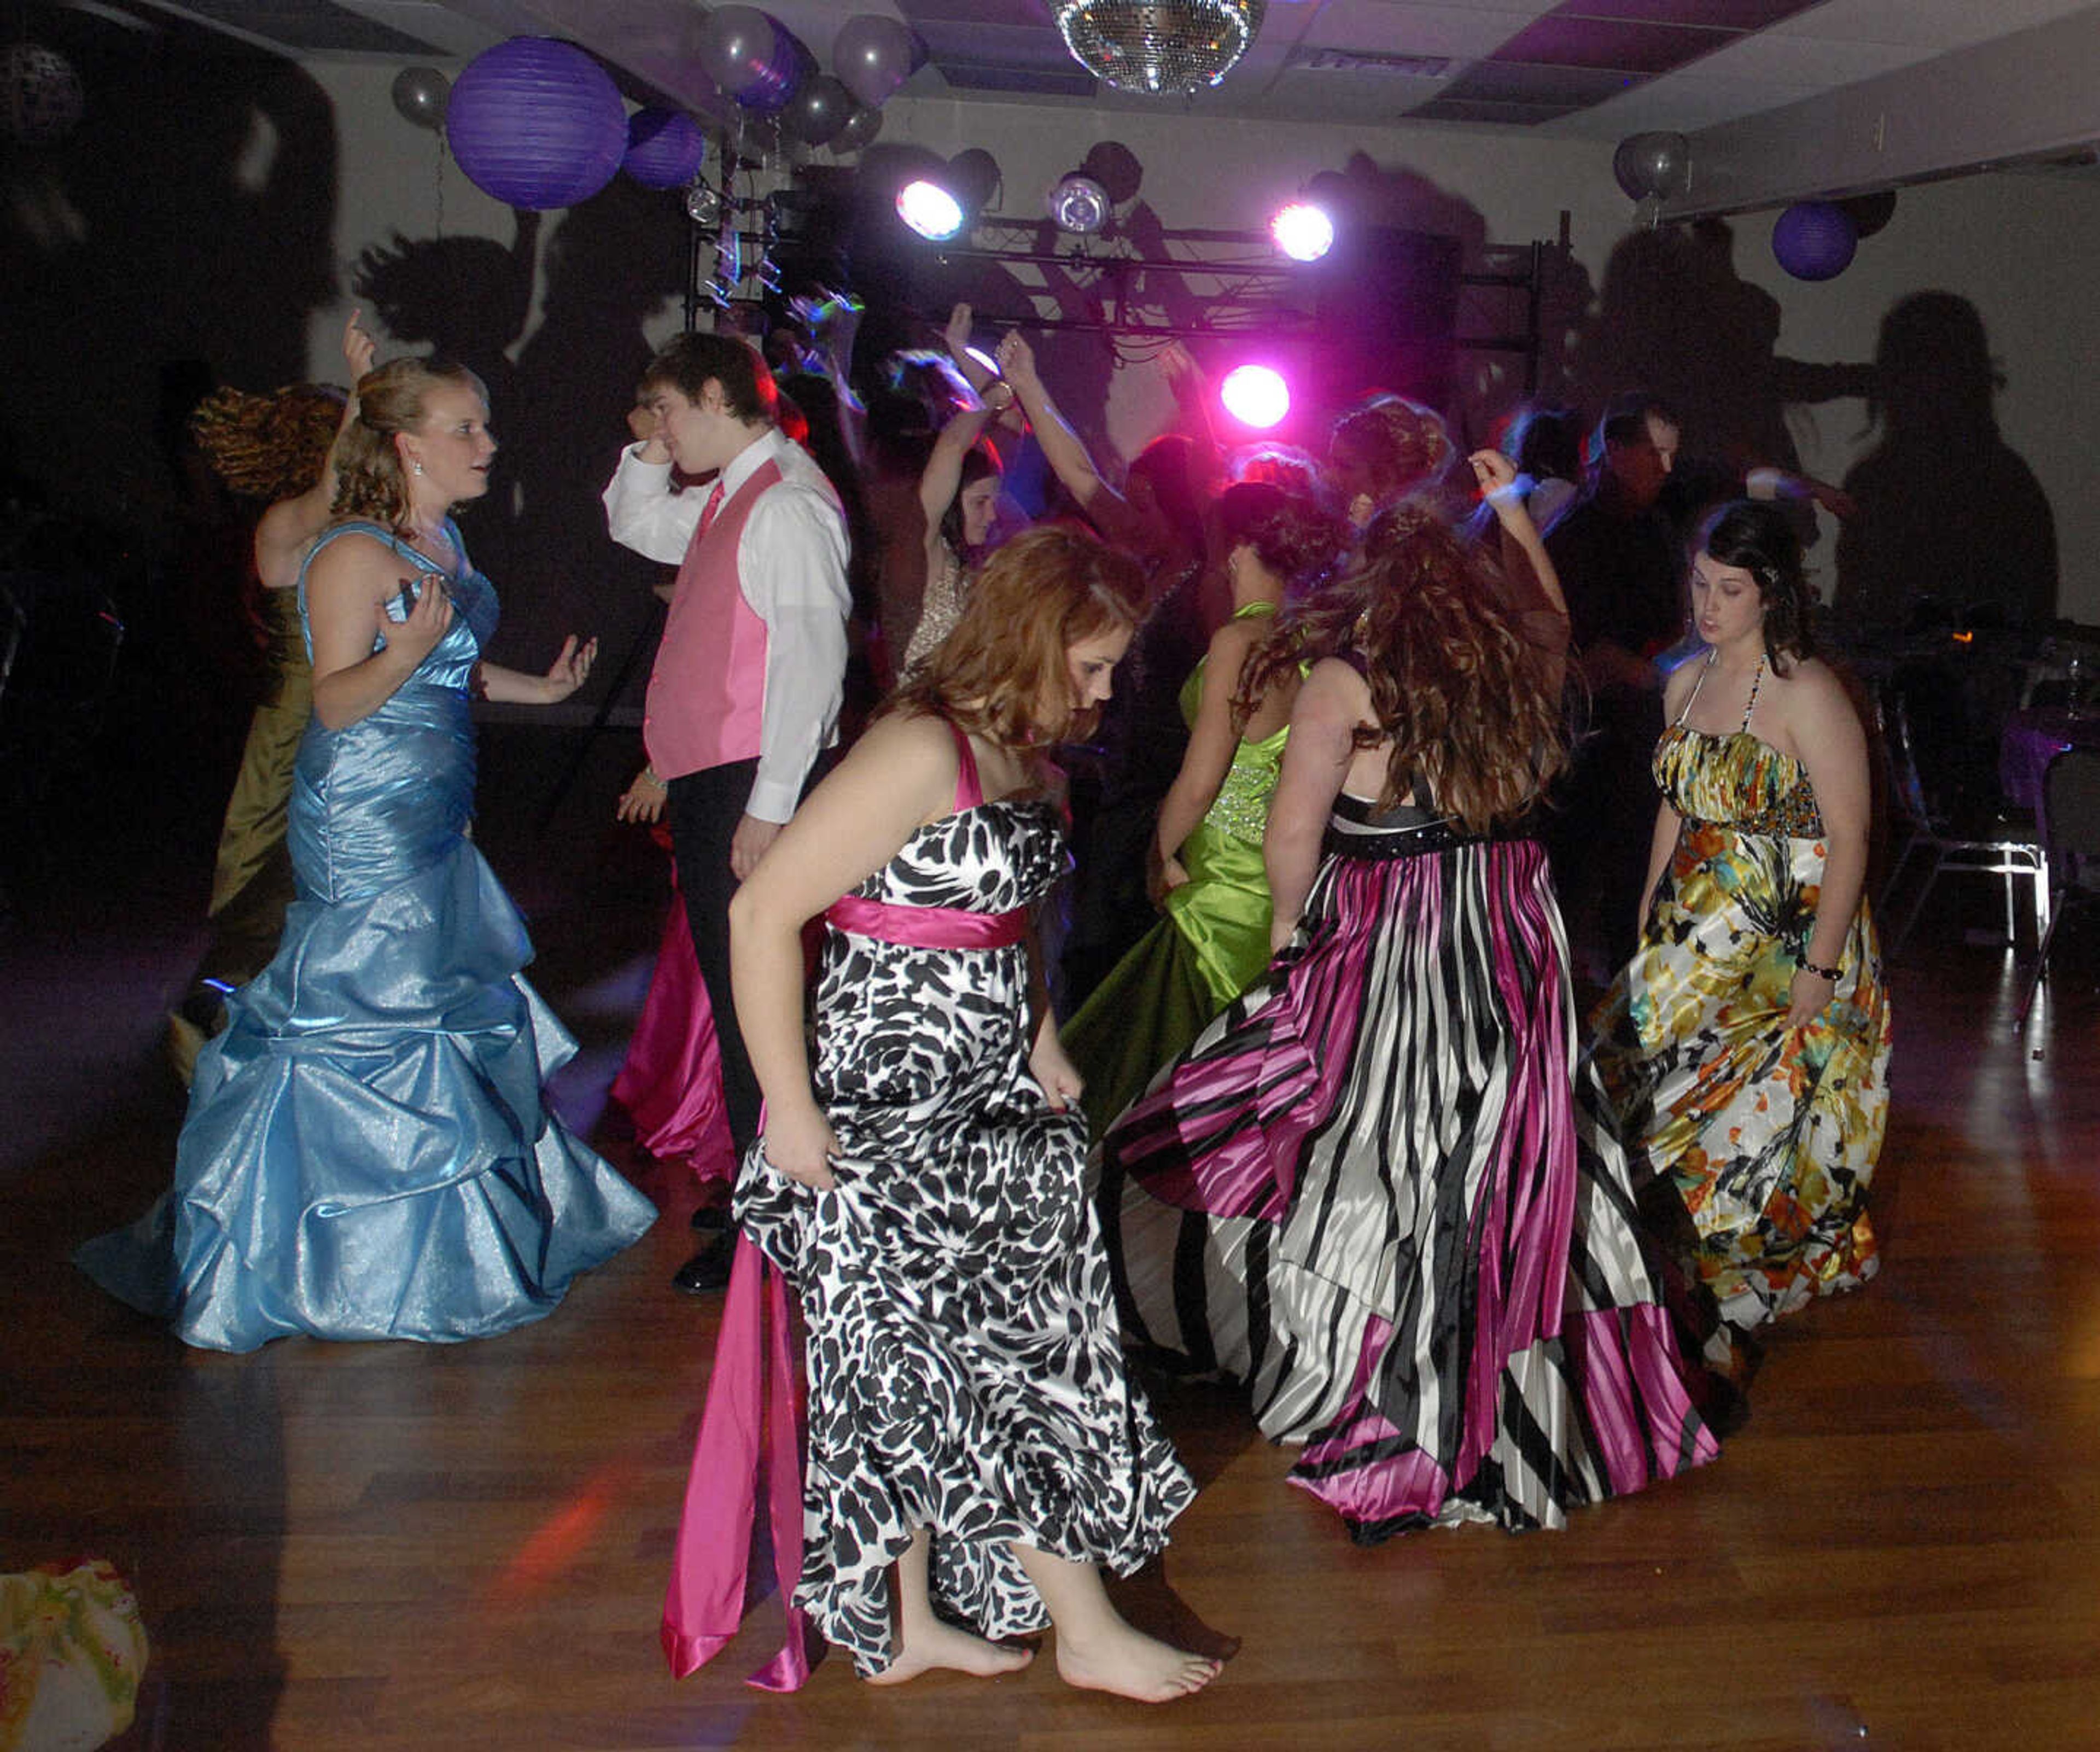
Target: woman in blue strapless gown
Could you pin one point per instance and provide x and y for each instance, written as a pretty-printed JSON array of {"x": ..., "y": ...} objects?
[{"x": 367, "y": 1154}]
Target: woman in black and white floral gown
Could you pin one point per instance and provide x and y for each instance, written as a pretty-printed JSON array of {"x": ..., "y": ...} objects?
[{"x": 976, "y": 1452}]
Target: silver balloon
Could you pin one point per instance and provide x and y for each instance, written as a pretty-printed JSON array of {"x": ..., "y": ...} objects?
[
  {"x": 1652, "y": 164},
  {"x": 874, "y": 55},
  {"x": 419, "y": 95},
  {"x": 1079, "y": 204},
  {"x": 862, "y": 126},
  {"x": 818, "y": 111},
  {"x": 736, "y": 44}
]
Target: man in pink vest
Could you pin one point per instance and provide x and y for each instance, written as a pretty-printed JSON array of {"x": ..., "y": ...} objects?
[{"x": 745, "y": 694}]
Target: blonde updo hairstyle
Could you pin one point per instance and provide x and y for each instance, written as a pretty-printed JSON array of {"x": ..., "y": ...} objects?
[
  {"x": 1048, "y": 590},
  {"x": 1401, "y": 443},
  {"x": 372, "y": 481}
]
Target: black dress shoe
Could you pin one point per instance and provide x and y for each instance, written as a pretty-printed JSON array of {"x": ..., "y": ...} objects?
[
  {"x": 707, "y": 1270},
  {"x": 711, "y": 1217}
]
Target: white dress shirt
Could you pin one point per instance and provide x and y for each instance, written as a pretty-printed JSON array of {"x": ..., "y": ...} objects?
[{"x": 792, "y": 568}]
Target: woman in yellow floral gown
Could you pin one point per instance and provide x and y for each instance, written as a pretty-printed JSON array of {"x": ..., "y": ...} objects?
[{"x": 1746, "y": 1045}]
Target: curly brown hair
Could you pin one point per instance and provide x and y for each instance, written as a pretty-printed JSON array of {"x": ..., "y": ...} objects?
[
  {"x": 1045, "y": 591},
  {"x": 369, "y": 480},
  {"x": 1472, "y": 705},
  {"x": 268, "y": 446}
]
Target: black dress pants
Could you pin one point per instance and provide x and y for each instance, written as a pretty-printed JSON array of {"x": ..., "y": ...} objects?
[{"x": 705, "y": 808}]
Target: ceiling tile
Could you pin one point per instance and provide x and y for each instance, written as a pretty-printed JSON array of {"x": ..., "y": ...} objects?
[
  {"x": 1523, "y": 82},
  {"x": 1569, "y": 41},
  {"x": 1714, "y": 14},
  {"x": 1471, "y": 32}
]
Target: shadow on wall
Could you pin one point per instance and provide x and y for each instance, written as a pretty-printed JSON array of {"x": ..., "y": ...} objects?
[
  {"x": 1675, "y": 319},
  {"x": 179, "y": 237},
  {"x": 559, "y": 411},
  {"x": 467, "y": 300},
  {"x": 1952, "y": 524},
  {"x": 190, "y": 216}
]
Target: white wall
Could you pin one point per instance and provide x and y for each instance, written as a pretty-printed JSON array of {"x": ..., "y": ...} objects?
[{"x": 2020, "y": 248}]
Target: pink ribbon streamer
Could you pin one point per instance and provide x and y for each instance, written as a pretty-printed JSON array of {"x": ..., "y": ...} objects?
[{"x": 753, "y": 1413}]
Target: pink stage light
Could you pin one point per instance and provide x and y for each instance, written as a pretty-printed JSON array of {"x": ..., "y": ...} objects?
[
  {"x": 930, "y": 211},
  {"x": 1302, "y": 232},
  {"x": 1256, "y": 396}
]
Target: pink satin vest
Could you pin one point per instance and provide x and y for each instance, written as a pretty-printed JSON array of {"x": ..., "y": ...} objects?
[{"x": 707, "y": 694}]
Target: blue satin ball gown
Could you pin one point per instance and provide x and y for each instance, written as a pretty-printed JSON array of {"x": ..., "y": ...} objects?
[{"x": 367, "y": 1154}]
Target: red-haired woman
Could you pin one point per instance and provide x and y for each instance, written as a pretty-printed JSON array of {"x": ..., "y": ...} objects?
[{"x": 976, "y": 1452}]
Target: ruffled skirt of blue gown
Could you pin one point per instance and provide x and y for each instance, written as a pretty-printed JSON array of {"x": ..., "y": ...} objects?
[{"x": 366, "y": 1154}]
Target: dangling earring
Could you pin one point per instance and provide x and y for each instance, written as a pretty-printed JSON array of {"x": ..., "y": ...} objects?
[{"x": 417, "y": 468}]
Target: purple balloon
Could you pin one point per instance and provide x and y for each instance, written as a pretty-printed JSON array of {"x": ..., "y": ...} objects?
[
  {"x": 536, "y": 123},
  {"x": 874, "y": 55},
  {"x": 1815, "y": 239},
  {"x": 665, "y": 149}
]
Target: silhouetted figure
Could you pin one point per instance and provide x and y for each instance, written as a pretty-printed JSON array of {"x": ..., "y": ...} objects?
[
  {"x": 1948, "y": 515},
  {"x": 1619, "y": 564},
  {"x": 1675, "y": 316}
]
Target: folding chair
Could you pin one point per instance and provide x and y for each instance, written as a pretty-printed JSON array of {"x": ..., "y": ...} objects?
[
  {"x": 2070, "y": 810},
  {"x": 2000, "y": 847}
]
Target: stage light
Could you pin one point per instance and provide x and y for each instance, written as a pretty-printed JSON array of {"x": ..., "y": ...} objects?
[
  {"x": 1302, "y": 232},
  {"x": 929, "y": 209},
  {"x": 1254, "y": 395},
  {"x": 1078, "y": 204}
]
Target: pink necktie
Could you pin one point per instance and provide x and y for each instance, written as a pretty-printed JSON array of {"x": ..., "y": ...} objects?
[{"x": 713, "y": 505}]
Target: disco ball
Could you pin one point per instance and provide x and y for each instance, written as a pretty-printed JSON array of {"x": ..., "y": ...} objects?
[
  {"x": 43, "y": 95},
  {"x": 703, "y": 205},
  {"x": 1159, "y": 46},
  {"x": 1078, "y": 204}
]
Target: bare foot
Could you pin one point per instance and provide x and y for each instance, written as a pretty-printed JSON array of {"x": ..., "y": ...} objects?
[
  {"x": 942, "y": 1645},
  {"x": 1133, "y": 1665}
]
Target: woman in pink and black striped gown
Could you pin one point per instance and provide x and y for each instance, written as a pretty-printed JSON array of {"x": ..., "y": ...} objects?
[{"x": 1373, "y": 1191}]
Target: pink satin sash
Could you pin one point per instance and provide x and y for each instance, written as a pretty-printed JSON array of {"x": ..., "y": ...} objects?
[
  {"x": 753, "y": 1413},
  {"x": 928, "y": 927}
]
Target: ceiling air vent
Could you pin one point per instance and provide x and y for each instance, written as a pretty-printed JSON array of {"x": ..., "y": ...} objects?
[{"x": 1371, "y": 61}]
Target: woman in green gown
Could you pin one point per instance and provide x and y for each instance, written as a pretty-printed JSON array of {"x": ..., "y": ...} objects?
[{"x": 1207, "y": 845}]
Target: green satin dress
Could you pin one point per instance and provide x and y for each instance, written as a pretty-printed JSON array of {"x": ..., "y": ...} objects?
[{"x": 1210, "y": 947}]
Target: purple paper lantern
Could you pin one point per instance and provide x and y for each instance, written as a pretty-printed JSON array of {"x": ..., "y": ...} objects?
[
  {"x": 665, "y": 147},
  {"x": 536, "y": 124},
  {"x": 1815, "y": 239}
]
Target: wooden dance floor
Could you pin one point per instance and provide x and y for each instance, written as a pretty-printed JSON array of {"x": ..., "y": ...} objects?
[{"x": 400, "y": 1548}]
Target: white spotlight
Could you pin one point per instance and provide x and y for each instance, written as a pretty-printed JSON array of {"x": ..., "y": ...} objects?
[{"x": 1303, "y": 231}]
